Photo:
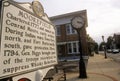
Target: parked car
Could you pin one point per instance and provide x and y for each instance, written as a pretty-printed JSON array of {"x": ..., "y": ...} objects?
[
  {"x": 115, "y": 51},
  {"x": 109, "y": 51}
]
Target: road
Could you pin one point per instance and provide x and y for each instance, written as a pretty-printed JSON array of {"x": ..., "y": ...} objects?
[{"x": 115, "y": 56}]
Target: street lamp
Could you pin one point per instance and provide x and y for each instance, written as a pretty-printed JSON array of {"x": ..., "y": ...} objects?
[
  {"x": 104, "y": 47},
  {"x": 78, "y": 23}
]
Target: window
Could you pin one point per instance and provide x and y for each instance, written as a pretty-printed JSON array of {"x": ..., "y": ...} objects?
[
  {"x": 73, "y": 47},
  {"x": 58, "y": 30},
  {"x": 69, "y": 29},
  {"x": 69, "y": 48}
]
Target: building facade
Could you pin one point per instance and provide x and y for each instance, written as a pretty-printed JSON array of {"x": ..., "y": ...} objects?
[
  {"x": 116, "y": 40},
  {"x": 67, "y": 37}
]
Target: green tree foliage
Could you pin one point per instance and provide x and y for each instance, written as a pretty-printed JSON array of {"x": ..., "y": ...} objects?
[
  {"x": 109, "y": 42},
  {"x": 92, "y": 45},
  {"x": 101, "y": 46}
]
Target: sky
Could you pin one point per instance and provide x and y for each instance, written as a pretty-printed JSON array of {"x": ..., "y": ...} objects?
[{"x": 103, "y": 15}]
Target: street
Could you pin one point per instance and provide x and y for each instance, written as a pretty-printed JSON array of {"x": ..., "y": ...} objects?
[{"x": 114, "y": 56}]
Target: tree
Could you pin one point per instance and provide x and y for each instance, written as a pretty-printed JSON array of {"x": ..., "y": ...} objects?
[
  {"x": 101, "y": 46},
  {"x": 109, "y": 42},
  {"x": 96, "y": 48},
  {"x": 92, "y": 45}
]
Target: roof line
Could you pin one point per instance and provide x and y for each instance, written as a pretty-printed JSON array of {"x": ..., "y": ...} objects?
[{"x": 67, "y": 14}]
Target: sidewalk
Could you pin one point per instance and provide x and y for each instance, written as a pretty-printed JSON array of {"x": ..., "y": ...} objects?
[{"x": 98, "y": 69}]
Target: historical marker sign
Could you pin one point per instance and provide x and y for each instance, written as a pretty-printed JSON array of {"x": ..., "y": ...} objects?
[{"x": 27, "y": 43}]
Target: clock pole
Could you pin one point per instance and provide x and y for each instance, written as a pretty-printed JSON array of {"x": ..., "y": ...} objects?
[
  {"x": 82, "y": 68},
  {"x": 78, "y": 23}
]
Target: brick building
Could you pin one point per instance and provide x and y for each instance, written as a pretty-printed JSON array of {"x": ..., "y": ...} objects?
[
  {"x": 67, "y": 38},
  {"x": 116, "y": 41}
]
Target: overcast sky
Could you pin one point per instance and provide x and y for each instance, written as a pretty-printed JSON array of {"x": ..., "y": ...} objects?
[{"x": 103, "y": 15}]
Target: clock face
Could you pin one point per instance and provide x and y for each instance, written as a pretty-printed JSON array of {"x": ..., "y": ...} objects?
[
  {"x": 77, "y": 22},
  {"x": 37, "y": 8}
]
